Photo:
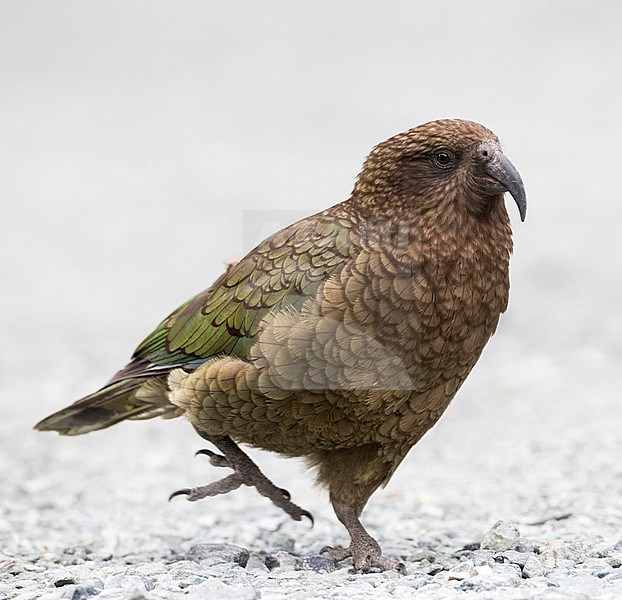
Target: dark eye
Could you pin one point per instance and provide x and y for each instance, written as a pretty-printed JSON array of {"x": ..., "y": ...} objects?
[{"x": 444, "y": 159}]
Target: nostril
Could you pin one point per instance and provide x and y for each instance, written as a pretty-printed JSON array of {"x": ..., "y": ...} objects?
[{"x": 485, "y": 153}]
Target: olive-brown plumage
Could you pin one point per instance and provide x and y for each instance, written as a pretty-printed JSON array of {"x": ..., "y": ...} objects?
[{"x": 344, "y": 337}]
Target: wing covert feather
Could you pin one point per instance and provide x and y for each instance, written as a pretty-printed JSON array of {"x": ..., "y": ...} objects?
[{"x": 284, "y": 270}]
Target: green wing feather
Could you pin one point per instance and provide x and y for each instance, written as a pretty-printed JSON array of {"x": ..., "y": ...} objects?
[{"x": 284, "y": 270}]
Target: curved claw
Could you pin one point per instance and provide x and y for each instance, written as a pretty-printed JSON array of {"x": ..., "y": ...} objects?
[
  {"x": 184, "y": 492},
  {"x": 306, "y": 513},
  {"x": 217, "y": 460},
  {"x": 286, "y": 494},
  {"x": 206, "y": 452}
]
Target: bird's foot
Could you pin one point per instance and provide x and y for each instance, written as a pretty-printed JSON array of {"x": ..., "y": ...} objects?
[
  {"x": 217, "y": 460},
  {"x": 246, "y": 472},
  {"x": 364, "y": 549},
  {"x": 365, "y": 555}
]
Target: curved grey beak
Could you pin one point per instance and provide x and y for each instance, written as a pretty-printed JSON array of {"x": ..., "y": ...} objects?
[{"x": 500, "y": 168}]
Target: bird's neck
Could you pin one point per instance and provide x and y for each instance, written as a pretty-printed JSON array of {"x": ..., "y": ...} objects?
[{"x": 446, "y": 230}]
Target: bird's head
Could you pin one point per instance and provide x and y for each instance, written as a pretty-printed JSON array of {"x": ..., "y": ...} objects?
[{"x": 442, "y": 163}]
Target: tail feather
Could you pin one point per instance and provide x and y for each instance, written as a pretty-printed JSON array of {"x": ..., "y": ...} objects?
[{"x": 135, "y": 398}]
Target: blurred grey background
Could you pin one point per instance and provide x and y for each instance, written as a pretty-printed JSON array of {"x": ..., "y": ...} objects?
[{"x": 144, "y": 143}]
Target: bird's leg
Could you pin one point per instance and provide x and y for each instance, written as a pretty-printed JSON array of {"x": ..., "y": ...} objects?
[
  {"x": 245, "y": 472},
  {"x": 352, "y": 476},
  {"x": 364, "y": 549}
]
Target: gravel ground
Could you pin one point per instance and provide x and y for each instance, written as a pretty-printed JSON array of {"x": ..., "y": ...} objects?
[
  {"x": 143, "y": 147},
  {"x": 503, "y": 499}
]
